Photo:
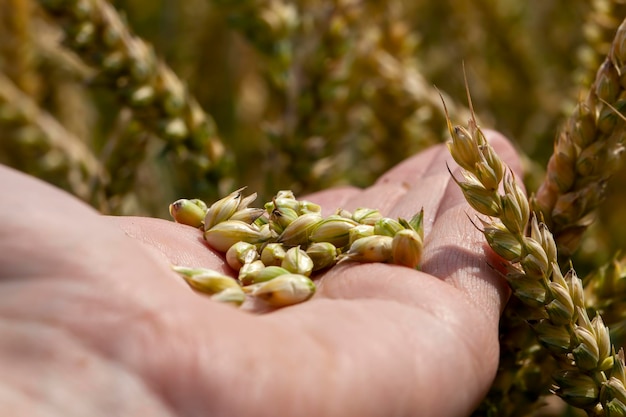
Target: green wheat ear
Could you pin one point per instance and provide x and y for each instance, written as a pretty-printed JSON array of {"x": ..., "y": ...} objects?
[{"x": 588, "y": 375}]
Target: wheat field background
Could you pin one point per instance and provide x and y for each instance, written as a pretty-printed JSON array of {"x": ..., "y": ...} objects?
[{"x": 132, "y": 104}]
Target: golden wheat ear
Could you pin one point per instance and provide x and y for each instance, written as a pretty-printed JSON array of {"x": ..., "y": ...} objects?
[{"x": 586, "y": 154}]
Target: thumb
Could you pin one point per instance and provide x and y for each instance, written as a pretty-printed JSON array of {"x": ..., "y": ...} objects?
[{"x": 458, "y": 252}]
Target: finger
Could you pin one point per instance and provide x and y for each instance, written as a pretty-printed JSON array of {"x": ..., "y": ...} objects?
[
  {"x": 393, "y": 185},
  {"x": 432, "y": 187},
  {"x": 456, "y": 251}
]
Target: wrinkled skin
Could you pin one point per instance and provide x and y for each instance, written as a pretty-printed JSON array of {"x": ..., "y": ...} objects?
[{"x": 94, "y": 323}]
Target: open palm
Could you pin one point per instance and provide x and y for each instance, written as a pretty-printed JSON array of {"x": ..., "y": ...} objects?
[{"x": 94, "y": 322}]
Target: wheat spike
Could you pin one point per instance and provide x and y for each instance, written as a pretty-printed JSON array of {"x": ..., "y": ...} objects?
[
  {"x": 41, "y": 146},
  {"x": 586, "y": 153},
  {"x": 159, "y": 99},
  {"x": 586, "y": 363}
]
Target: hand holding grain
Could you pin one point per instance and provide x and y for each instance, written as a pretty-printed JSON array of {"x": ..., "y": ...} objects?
[{"x": 94, "y": 322}]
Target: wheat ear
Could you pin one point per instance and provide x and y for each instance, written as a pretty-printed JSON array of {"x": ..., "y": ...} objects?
[
  {"x": 141, "y": 81},
  {"x": 62, "y": 158},
  {"x": 586, "y": 153},
  {"x": 590, "y": 375}
]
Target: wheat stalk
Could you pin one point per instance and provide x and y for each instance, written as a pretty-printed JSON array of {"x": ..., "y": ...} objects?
[
  {"x": 17, "y": 46},
  {"x": 60, "y": 157}
]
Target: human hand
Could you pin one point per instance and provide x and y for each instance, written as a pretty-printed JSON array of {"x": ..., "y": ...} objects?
[{"x": 94, "y": 322}]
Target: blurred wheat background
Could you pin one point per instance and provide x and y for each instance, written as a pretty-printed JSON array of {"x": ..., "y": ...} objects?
[{"x": 132, "y": 104}]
